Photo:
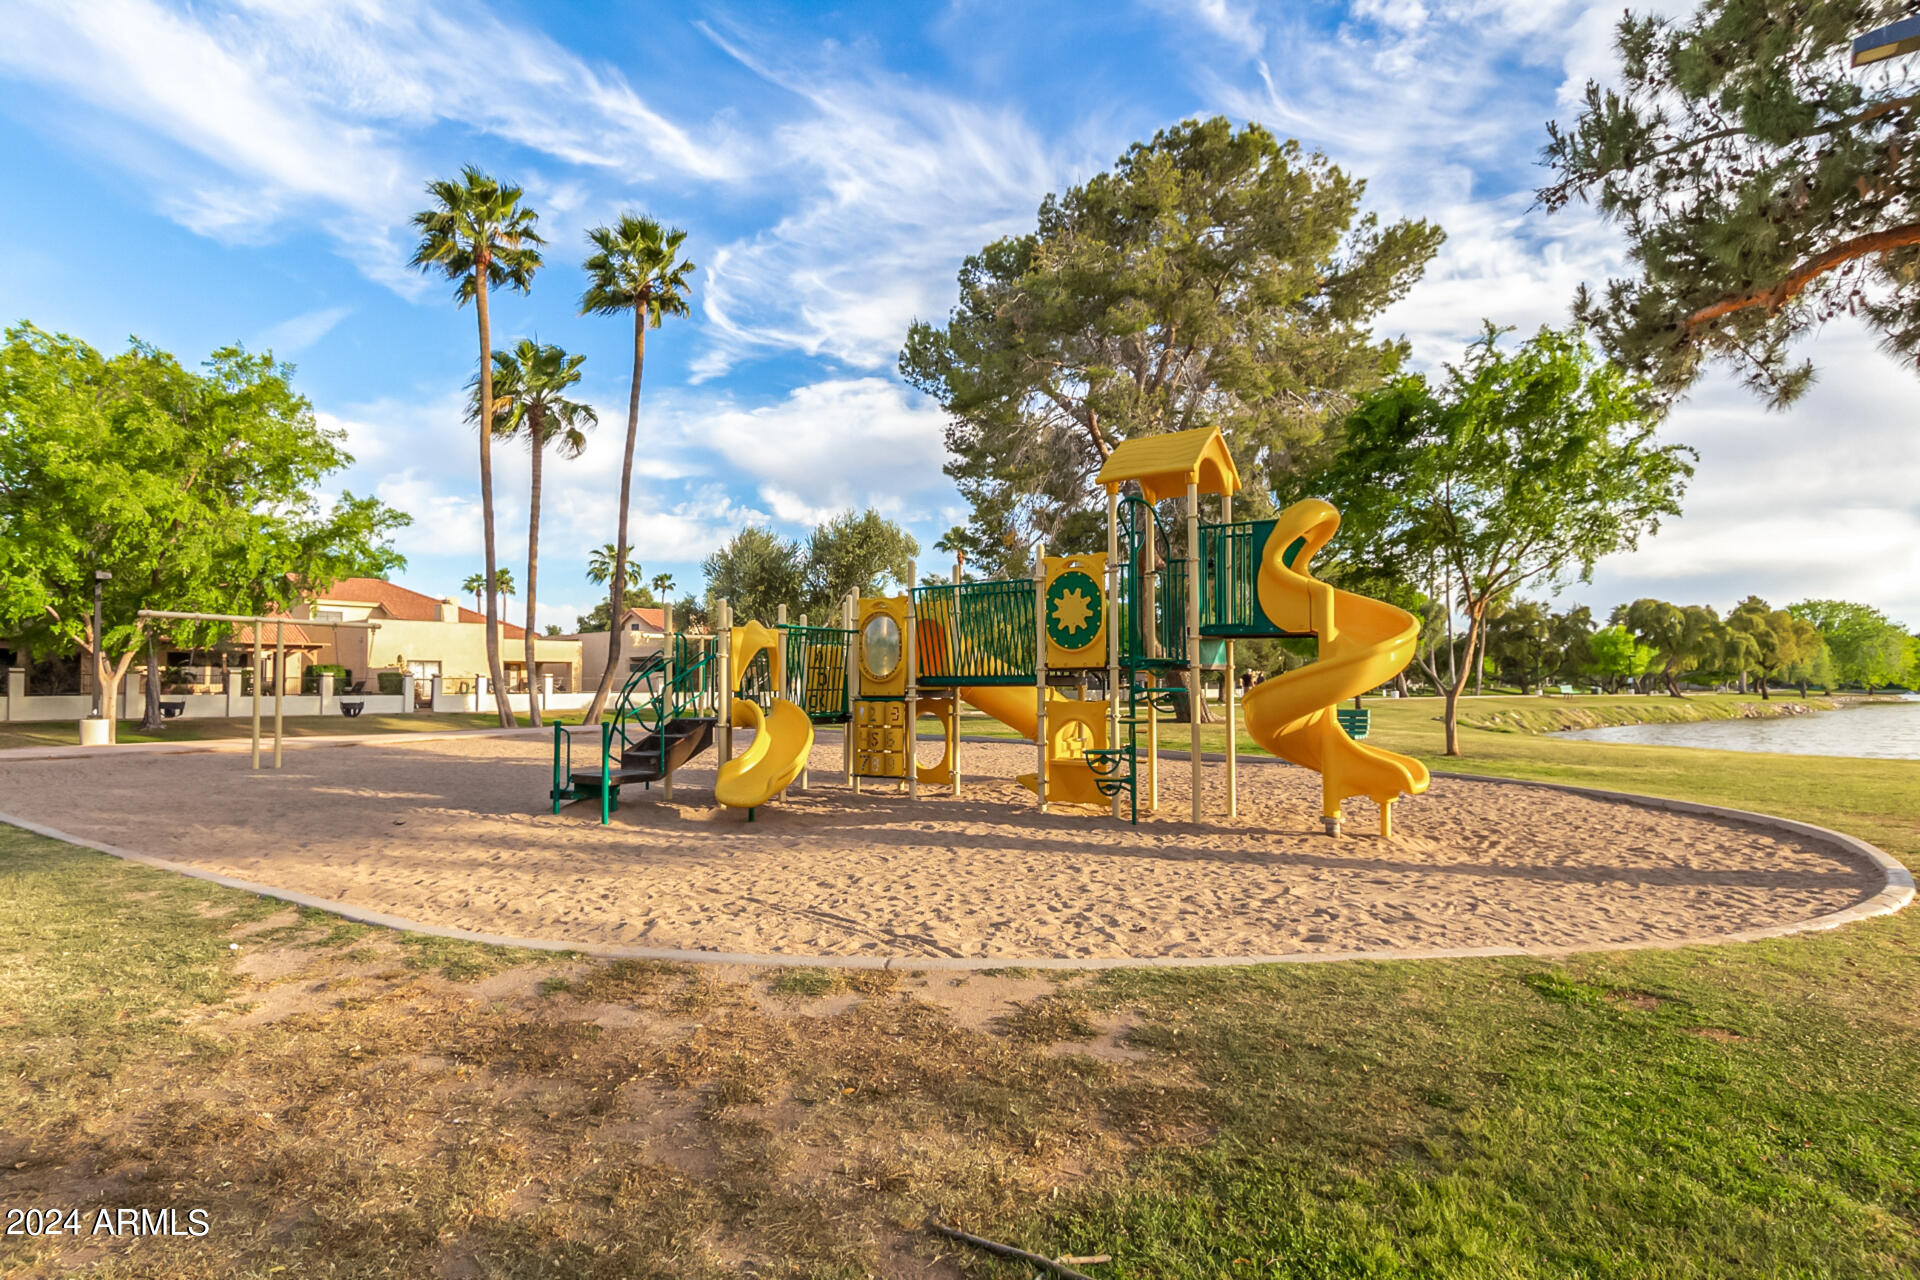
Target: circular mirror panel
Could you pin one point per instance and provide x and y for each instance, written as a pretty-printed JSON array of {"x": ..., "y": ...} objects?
[{"x": 880, "y": 646}]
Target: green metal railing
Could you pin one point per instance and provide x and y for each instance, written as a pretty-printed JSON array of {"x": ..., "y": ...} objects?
[
  {"x": 1229, "y": 583},
  {"x": 1153, "y": 606},
  {"x": 650, "y": 700},
  {"x": 816, "y": 672},
  {"x": 975, "y": 633}
]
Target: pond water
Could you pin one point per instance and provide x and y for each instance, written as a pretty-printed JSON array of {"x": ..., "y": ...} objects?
[{"x": 1882, "y": 730}]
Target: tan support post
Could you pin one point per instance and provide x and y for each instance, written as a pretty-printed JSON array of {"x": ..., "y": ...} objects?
[
  {"x": 1226, "y": 677},
  {"x": 724, "y": 634},
  {"x": 913, "y": 688},
  {"x": 953, "y": 721},
  {"x": 259, "y": 674},
  {"x": 279, "y": 687},
  {"x": 1153, "y": 750},
  {"x": 1113, "y": 627},
  {"x": 802, "y": 684},
  {"x": 850, "y": 618},
  {"x": 1194, "y": 568},
  {"x": 667, "y": 654},
  {"x": 1040, "y": 672}
]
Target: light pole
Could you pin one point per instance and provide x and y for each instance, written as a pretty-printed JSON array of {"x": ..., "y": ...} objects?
[
  {"x": 1889, "y": 41},
  {"x": 100, "y": 578}
]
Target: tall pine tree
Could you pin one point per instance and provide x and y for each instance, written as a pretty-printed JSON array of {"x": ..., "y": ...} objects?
[
  {"x": 1214, "y": 278},
  {"x": 1764, "y": 185}
]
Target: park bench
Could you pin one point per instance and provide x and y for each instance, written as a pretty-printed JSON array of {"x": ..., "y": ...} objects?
[
  {"x": 173, "y": 710},
  {"x": 352, "y": 709},
  {"x": 1355, "y": 720},
  {"x": 1565, "y": 689}
]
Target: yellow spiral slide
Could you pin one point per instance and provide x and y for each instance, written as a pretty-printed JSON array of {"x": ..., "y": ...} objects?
[{"x": 1363, "y": 644}]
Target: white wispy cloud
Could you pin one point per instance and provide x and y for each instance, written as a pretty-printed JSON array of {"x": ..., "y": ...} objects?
[
  {"x": 1423, "y": 101},
  {"x": 296, "y": 333},
  {"x": 280, "y": 110},
  {"x": 1235, "y": 24},
  {"x": 894, "y": 183}
]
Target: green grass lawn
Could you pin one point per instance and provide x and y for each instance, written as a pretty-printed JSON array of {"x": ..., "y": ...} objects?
[
  {"x": 395, "y": 1106},
  {"x": 64, "y": 734}
]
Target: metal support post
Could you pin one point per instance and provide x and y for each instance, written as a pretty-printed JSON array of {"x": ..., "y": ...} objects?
[
  {"x": 724, "y": 634},
  {"x": 279, "y": 688},
  {"x": 1040, "y": 672},
  {"x": 800, "y": 685},
  {"x": 1113, "y": 631},
  {"x": 1194, "y": 568},
  {"x": 913, "y": 690},
  {"x": 1226, "y": 677},
  {"x": 850, "y": 617},
  {"x": 953, "y": 735},
  {"x": 259, "y": 674},
  {"x": 668, "y": 695}
]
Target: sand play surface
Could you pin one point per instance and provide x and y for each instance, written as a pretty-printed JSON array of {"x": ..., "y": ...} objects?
[{"x": 457, "y": 832}]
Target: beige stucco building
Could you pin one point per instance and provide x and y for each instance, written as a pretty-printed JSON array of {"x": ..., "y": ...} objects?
[
  {"x": 641, "y": 634},
  {"x": 426, "y": 637}
]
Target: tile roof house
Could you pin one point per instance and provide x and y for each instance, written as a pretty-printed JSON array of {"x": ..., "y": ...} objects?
[
  {"x": 642, "y": 632},
  {"x": 427, "y": 636}
]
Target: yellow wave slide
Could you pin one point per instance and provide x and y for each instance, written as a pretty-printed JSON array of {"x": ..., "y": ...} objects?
[{"x": 782, "y": 741}]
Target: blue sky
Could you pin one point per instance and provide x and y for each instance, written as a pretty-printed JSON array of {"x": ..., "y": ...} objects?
[{"x": 203, "y": 174}]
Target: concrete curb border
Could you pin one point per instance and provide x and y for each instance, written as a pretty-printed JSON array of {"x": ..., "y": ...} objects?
[
  {"x": 200, "y": 746},
  {"x": 1896, "y": 892}
]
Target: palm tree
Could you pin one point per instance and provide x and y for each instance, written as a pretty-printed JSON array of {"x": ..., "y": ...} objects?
[
  {"x": 636, "y": 266},
  {"x": 530, "y": 384},
  {"x": 480, "y": 236},
  {"x": 477, "y": 584},
  {"x": 600, "y": 564},
  {"x": 663, "y": 587}
]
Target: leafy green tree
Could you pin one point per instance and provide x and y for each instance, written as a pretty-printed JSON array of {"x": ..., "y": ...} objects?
[
  {"x": 691, "y": 613},
  {"x": 1616, "y": 655},
  {"x": 595, "y": 619},
  {"x": 1686, "y": 637},
  {"x": 1763, "y": 185},
  {"x": 503, "y": 586},
  {"x": 1868, "y": 648},
  {"x": 195, "y": 491},
  {"x": 1816, "y": 667},
  {"x": 635, "y": 268},
  {"x": 1520, "y": 642},
  {"x": 1213, "y": 278},
  {"x": 530, "y": 399},
  {"x": 756, "y": 572},
  {"x": 1778, "y": 640},
  {"x": 481, "y": 237},
  {"x": 1571, "y": 633},
  {"x": 1525, "y": 467},
  {"x": 854, "y": 553}
]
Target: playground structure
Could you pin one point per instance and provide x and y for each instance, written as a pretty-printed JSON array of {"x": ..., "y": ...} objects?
[{"x": 1083, "y": 659}]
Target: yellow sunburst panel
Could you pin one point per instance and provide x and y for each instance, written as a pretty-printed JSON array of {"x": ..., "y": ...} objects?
[{"x": 1076, "y": 603}]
